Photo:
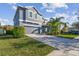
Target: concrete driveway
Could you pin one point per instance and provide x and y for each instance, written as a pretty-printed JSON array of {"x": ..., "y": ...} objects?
[{"x": 66, "y": 47}]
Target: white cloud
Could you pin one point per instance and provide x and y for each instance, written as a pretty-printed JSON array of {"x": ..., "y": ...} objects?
[
  {"x": 5, "y": 21},
  {"x": 51, "y": 7},
  {"x": 75, "y": 12},
  {"x": 74, "y": 18},
  {"x": 67, "y": 18},
  {"x": 13, "y": 6},
  {"x": 47, "y": 19},
  {"x": 60, "y": 5},
  {"x": 49, "y": 10},
  {"x": 55, "y": 5},
  {"x": 61, "y": 15},
  {"x": 45, "y": 4}
]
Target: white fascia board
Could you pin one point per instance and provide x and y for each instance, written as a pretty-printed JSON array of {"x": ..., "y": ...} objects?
[
  {"x": 30, "y": 21},
  {"x": 32, "y": 25},
  {"x": 21, "y": 20},
  {"x": 33, "y": 22}
]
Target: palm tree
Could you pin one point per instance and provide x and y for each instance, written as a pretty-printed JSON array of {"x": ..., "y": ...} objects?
[{"x": 55, "y": 25}]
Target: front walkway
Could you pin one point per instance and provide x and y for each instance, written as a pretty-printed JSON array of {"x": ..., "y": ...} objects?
[{"x": 66, "y": 47}]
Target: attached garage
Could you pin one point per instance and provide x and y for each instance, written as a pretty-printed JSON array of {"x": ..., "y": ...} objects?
[{"x": 31, "y": 30}]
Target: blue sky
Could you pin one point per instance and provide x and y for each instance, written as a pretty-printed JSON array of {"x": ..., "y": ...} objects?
[{"x": 48, "y": 10}]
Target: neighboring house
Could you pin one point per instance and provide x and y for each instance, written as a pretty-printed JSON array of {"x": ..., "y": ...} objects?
[
  {"x": 30, "y": 18},
  {"x": 7, "y": 27},
  {"x": 73, "y": 30},
  {"x": 2, "y": 31}
]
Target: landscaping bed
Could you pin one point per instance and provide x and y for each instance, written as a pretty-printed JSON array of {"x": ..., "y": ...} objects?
[
  {"x": 24, "y": 46},
  {"x": 70, "y": 36}
]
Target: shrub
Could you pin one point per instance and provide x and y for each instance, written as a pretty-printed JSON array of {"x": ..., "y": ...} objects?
[
  {"x": 9, "y": 32},
  {"x": 18, "y": 31}
]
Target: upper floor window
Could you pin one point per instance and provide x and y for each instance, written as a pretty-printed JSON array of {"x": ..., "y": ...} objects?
[
  {"x": 26, "y": 13},
  {"x": 36, "y": 16},
  {"x": 21, "y": 14},
  {"x": 30, "y": 14}
]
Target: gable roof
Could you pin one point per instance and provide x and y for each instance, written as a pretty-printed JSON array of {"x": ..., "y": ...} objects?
[{"x": 28, "y": 7}]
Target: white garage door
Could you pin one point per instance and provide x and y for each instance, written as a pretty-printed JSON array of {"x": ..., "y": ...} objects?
[{"x": 31, "y": 30}]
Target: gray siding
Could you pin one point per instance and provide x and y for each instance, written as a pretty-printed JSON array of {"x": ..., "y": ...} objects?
[{"x": 16, "y": 18}]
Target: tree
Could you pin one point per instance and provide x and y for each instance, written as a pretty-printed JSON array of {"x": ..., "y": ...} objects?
[{"x": 55, "y": 25}]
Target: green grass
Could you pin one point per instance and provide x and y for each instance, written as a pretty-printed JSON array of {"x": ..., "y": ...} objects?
[
  {"x": 70, "y": 36},
  {"x": 25, "y": 46}
]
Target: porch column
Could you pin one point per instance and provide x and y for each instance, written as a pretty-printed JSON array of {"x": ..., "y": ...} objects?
[{"x": 39, "y": 30}]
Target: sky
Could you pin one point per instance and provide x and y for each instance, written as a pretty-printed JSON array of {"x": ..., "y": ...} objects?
[{"x": 48, "y": 10}]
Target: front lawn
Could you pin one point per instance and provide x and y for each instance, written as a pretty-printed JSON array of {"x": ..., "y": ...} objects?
[
  {"x": 25, "y": 46},
  {"x": 70, "y": 36}
]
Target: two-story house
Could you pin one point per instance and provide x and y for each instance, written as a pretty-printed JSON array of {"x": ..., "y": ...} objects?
[{"x": 30, "y": 18}]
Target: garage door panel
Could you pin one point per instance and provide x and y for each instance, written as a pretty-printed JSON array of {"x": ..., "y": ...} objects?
[{"x": 31, "y": 30}]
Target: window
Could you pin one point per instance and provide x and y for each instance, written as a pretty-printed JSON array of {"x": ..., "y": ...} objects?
[
  {"x": 26, "y": 13},
  {"x": 21, "y": 14},
  {"x": 36, "y": 16},
  {"x": 30, "y": 14}
]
